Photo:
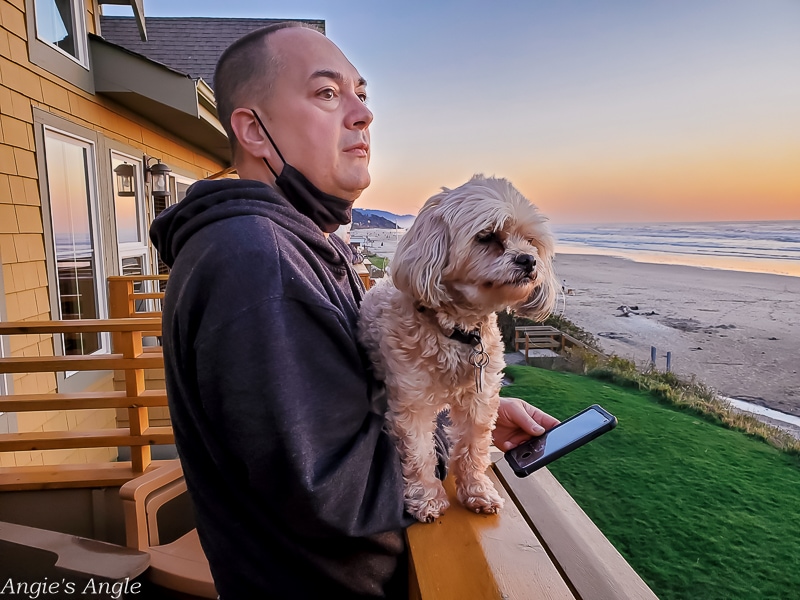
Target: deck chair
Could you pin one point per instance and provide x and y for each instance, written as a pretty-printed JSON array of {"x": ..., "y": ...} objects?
[
  {"x": 33, "y": 552},
  {"x": 179, "y": 565}
]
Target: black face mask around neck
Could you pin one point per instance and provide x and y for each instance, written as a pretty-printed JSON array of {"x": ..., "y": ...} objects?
[{"x": 326, "y": 210}]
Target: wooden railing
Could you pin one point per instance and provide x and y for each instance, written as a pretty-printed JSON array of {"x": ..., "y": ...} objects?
[
  {"x": 362, "y": 270},
  {"x": 541, "y": 545},
  {"x": 128, "y": 357},
  {"x": 123, "y": 298}
]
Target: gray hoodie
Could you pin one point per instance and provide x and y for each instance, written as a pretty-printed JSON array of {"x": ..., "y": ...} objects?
[{"x": 296, "y": 487}]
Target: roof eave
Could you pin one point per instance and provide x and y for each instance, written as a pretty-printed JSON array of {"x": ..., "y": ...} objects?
[{"x": 183, "y": 106}]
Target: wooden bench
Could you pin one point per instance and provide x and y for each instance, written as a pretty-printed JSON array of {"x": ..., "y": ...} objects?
[
  {"x": 533, "y": 340},
  {"x": 534, "y": 336},
  {"x": 537, "y": 339},
  {"x": 179, "y": 564}
]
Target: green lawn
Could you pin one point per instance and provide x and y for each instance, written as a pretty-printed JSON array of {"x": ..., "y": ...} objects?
[
  {"x": 700, "y": 511},
  {"x": 379, "y": 261}
]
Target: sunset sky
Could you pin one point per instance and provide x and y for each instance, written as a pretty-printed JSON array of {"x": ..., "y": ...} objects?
[{"x": 597, "y": 111}]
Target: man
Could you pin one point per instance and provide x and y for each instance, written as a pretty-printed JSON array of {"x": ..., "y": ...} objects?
[{"x": 296, "y": 487}]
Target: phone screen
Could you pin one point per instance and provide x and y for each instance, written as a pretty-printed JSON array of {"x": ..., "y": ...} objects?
[{"x": 559, "y": 437}]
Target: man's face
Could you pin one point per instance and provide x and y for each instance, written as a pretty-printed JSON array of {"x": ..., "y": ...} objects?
[{"x": 316, "y": 113}]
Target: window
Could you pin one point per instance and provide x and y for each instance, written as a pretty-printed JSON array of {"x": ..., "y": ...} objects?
[
  {"x": 130, "y": 217},
  {"x": 181, "y": 187},
  {"x": 61, "y": 23},
  {"x": 73, "y": 214},
  {"x": 178, "y": 186},
  {"x": 57, "y": 40}
]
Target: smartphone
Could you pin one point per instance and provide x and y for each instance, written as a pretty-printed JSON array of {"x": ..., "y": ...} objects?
[{"x": 561, "y": 439}]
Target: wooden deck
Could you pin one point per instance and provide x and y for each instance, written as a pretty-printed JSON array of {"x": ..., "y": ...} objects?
[{"x": 541, "y": 545}]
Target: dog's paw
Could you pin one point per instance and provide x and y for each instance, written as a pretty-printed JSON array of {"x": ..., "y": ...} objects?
[
  {"x": 427, "y": 510},
  {"x": 480, "y": 498}
]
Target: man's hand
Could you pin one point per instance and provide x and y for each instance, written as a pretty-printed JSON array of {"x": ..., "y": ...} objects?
[{"x": 517, "y": 422}]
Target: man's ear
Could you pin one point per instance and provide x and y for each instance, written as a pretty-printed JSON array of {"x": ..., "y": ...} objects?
[{"x": 249, "y": 135}]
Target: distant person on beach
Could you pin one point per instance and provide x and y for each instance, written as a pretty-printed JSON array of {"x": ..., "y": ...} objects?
[{"x": 297, "y": 489}]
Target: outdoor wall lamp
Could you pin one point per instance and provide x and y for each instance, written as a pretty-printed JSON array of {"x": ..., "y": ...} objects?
[
  {"x": 125, "y": 180},
  {"x": 157, "y": 173}
]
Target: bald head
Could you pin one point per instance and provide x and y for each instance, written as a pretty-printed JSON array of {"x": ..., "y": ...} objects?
[
  {"x": 246, "y": 72},
  {"x": 309, "y": 112}
]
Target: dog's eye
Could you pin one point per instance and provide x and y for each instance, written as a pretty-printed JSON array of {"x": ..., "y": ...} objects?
[{"x": 486, "y": 237}]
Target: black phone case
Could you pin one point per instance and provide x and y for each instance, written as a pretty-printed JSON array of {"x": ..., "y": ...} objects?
[{"x": 524, "y": 472}]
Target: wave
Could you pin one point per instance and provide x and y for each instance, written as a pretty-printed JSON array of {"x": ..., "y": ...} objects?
[{"x": 773, "y": 242}]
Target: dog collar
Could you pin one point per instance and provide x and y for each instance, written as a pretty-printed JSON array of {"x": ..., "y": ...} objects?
[
  {"x": 473, "y": 338},
  {"x": 478, "y": 357}
]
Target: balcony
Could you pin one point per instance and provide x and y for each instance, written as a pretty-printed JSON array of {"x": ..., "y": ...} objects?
[{"x": 101, "y": 519}]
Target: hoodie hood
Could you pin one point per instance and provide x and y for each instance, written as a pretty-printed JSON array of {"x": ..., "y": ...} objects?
[{"x": 210, "y": 201}]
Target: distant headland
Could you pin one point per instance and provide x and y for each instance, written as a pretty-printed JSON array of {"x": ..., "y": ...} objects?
[{"x": 367, "y": 218}]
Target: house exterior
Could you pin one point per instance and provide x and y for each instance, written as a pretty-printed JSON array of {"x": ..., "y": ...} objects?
[{"x": 84, "y": 116}]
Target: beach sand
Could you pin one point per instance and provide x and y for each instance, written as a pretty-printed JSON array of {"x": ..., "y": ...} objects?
[
  {"x": 382, "y": 242},
  {"x": 736, "y": 332}
]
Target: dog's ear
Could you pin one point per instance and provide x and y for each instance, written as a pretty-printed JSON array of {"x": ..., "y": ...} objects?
[
  {"x": 542, "y": 301},
  {"x": 422, "y": 255}
]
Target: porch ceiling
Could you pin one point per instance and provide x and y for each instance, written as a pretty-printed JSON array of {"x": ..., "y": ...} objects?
[{"x": 167, "y": 98}]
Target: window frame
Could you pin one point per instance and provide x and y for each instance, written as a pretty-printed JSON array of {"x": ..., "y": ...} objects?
[
  {"x": 175, "y": 179},
  {"x": 126, "y": 249},
  {"x": 78, "y": 10},
  {"x": 101, "y": 297},
  {"x": 57, "y": 61},
  {"x": 117, "y": 251},
  {"x": 44, "y": 121}
]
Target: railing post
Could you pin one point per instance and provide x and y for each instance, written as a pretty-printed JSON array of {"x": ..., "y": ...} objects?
[
  {"x": 120, "y": 298},
  {"x": 120, "y": 304},
  {"x": 527, "y": 348},
  {"x": 138, "y": 416}
]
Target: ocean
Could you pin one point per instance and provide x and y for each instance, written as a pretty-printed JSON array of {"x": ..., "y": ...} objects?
[{"x": 753, "y": 246}]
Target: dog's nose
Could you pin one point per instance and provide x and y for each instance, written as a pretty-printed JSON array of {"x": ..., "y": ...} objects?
[{"x": 526, "y": 261}]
